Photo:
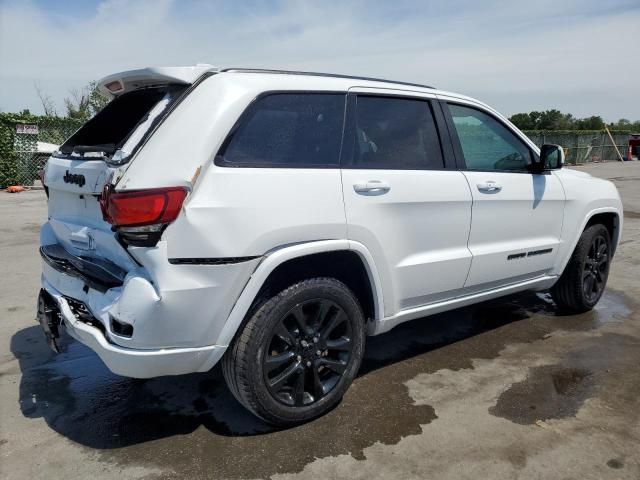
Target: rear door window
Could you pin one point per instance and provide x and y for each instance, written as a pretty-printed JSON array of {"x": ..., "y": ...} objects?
[
  {"x": 288, "y": 130},
  {"x": 395, "y": 133}
]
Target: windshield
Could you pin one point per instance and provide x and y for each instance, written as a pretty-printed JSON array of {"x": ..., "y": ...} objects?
[{"x": 122, "y": 125}]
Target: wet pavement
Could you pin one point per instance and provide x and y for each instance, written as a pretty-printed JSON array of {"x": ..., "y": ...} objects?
[
  {"x": 82, "y": 401},
  {"x": 504, "y": 389}
]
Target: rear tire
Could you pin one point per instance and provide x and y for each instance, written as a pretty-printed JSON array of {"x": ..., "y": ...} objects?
[
  {"x": 298, "y": 352},
  {"x": 584, "y": 278}
]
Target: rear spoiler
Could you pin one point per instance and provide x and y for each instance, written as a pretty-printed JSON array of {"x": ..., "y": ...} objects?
[{"x": 118, "y": 83}]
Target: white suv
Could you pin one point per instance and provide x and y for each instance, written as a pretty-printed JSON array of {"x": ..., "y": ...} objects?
[{"x": 271, "y": 220}]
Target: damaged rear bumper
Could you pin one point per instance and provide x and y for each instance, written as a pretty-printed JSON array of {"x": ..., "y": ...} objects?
[
  {"x": 98, "y": 274},
  {"x": 126, "y": 361},
  {"x": 142, "y": 314}
]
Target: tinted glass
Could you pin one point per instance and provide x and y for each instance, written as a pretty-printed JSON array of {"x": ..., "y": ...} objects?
[
  {"x": 290, "y": 130},
  {"x": 395, "y": 133},
  {"x": 486, "y": 143}
]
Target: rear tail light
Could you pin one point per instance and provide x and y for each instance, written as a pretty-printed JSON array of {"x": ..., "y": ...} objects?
[{"x": 140, "y": 216}]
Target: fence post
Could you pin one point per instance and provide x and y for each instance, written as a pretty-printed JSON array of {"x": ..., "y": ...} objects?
[{"x": 613, "y": 142}]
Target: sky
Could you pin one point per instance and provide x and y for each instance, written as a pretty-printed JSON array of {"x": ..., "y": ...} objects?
[{"x": 581, "y": 57}]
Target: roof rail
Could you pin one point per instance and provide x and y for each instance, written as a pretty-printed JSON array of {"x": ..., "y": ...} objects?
[{"x": 318, "y": 74}]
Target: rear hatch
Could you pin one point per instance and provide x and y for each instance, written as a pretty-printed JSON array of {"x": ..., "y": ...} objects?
[{"x": 98, "y": 154}]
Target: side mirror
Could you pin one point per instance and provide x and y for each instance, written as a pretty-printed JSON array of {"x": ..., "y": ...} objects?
[{"x": 551, "y": 157}]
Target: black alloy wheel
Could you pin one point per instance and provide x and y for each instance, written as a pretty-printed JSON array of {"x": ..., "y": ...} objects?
[
  {"x": 309, "y": 351},
  {"x": 297, "y": 352},
  {"x": 584, "y": 278},
  {"x": 596, "y": 268}
]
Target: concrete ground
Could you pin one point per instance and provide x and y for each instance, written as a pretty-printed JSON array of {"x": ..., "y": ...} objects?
[{"x": 506, "y": 389}]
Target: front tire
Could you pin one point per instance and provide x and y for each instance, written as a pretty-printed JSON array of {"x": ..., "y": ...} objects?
[
  {"x": 297, "y": 354},
  {"x": 584, "y": 278}
]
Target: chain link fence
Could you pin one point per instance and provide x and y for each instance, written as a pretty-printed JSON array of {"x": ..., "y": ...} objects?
[
  {"x": 26, "y": 141},
  {"x": 584, "y": 146}
]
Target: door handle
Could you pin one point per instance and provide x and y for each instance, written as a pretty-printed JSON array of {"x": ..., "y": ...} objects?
[
  {"x": 489, "y": 187},
  {"x": 372, "y": 187}
]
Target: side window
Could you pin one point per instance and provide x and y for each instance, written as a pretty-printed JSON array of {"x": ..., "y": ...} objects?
[
  {"x": 486, "y": 143},
  {"x": 289, "y": 130},
  {"x": 395, "y": 133}
]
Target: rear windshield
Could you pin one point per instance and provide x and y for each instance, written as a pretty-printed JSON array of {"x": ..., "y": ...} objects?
[{"x": 121, "y": 126}]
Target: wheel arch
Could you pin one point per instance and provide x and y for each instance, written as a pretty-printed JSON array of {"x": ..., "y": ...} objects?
[
  {"x": 611, "y": 220},
  {"x": 611, "y": 217},
  {"x": 288, "y": 264}
]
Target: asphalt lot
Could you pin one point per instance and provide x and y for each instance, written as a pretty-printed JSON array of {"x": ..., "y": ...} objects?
[{"x": 506, "y": 389}]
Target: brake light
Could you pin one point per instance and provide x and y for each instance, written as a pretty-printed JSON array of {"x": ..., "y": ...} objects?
[
  {"x": 140, "y": 216},
  {"x": 114, "y": 86}
]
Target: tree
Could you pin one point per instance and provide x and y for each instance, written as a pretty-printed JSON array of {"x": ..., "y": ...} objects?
[
  {"x": 80, "y": 104},
  {"x": 96, "y": 100},
  {"x": 48, "y": 105},
  {"x": 624, "y": 124},
  {"x": 590, "y": 123},
  {"x": 556, "y": 120},
  {"x": 523, "y": 121},
  {"x": 85, "y": 103}
]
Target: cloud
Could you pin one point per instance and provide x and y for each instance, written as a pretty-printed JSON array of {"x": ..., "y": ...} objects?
[{"x": 574, "y": 55}]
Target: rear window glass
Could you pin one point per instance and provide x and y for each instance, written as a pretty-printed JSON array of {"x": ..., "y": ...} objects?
[
  {"x": 127, "y": 117},
  {"x": 396, "y": 133},
  {"x": 289, "y": 130}
]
